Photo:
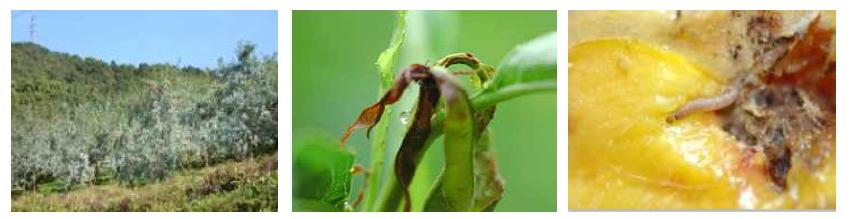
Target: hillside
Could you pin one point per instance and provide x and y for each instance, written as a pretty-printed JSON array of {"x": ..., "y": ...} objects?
[
  {"x": 250, "y": 185},
  {"x": 80, "y": 122}
]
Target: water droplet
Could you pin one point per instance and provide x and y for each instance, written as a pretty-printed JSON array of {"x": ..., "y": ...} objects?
[{"x": 403, "y": 117}]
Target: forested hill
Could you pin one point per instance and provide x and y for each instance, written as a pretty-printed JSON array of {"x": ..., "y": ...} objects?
[
  {"x": 80, "y": 121},
  {"x": 36, "y": 69}
]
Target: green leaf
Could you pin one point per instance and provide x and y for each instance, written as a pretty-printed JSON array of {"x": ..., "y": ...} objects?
[
  {"x": 436, "y": 201},
  {"x": 387, "y": 58},
  {"x": 529, "y": 68},
  {"x": 321, "y": 177},
  {"x": 309, "y": 205}
]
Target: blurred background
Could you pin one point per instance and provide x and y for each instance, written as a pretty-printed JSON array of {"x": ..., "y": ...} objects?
[{"x": 334, "y": 78}]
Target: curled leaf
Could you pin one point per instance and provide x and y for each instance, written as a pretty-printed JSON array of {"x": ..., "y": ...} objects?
[
  {"x": 489, "y": 183},
  {"x": 414, "y": 141},
  {"x": 460, "y": 58},
  {"x": 372, "y": 114}
]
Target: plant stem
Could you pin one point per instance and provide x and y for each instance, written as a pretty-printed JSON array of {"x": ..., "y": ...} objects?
[
  {"x": 385, "y": 63},
  {"x": 490, "y": 99},
  {"x": 391, "y": 196},
  {"x": 379, "y": 147}
]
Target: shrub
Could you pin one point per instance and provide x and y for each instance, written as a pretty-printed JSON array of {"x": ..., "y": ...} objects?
[{"x": 80, "y": 120}]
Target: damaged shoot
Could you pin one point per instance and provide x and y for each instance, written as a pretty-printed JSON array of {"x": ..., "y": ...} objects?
[
  {"x": 436, "y": 84},
  {"x": 459, "y": 111},
  {"x": 445, "y": 104}
]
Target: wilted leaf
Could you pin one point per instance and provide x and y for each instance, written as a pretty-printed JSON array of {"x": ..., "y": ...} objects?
[
  {"x": 321, "y": 178},
  {"x": 412, "y": 145},
  {"x": 489, "y": 183},
  {"x": 435, "y": 82}
]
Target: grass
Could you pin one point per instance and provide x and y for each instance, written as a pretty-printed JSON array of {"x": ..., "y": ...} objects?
[{"x": 249, "y": 185}]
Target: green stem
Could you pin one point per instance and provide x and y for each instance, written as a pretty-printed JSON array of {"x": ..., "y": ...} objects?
[
  {"x": 379, "y": 147},
  {"x": 391, "y": 196},
  {"x": 490, "y": 99},
  {"x": 385, "y": 63}
]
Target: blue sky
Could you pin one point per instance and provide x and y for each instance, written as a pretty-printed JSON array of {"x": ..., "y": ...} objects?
[{"x": 194, "y": 38}]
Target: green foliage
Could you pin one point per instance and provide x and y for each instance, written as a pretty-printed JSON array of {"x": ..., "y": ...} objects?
[
  {"x": 531, "y": 67},
  {"x": 79, "y": 121},
  {"x": 243, "y": 111},
  {"x": 146, "y": 151},
  {"x": 321, "y": 178},
  {"x": 387, "y": 59}
]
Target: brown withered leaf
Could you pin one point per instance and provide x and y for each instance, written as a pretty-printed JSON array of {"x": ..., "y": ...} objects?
[
  {"x": 414, "y": 141},
  {"x": 372, "y": 114}
]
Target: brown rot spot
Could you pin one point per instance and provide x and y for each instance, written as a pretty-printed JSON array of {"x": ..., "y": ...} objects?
[
  {"x": 785, "y": 99},
  {"x": 778, "y": 169}
]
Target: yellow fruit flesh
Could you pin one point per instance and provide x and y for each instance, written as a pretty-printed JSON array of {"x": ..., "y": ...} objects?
[{"x": 623, "y": 155}]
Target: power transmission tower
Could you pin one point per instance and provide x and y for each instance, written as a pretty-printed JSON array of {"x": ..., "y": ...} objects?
[{"x": 32, "y": 28}]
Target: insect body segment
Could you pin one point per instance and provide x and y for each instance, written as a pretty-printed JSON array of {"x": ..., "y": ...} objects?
[{"x": 706, "y": 104}]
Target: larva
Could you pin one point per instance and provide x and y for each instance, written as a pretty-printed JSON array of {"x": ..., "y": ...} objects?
[{"x": 706, "y": 104}]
